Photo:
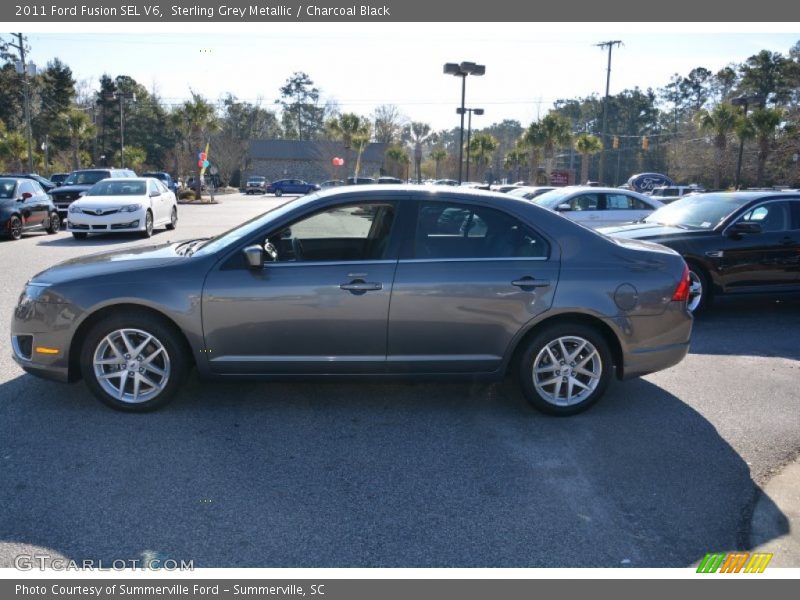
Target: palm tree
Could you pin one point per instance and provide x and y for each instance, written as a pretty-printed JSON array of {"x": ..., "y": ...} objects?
[
  {"x": 14, "y": 149},
  {"x": 398, "y": 156},
  {"x": 197, "y": 119},
  {"x": 764, "y": 122},
  {"x": 354, "y": 133},
  {"x": 556, "y": 132},
  {"x": 78, "y": 128},
  {"x": 515, "y": 159},
  {"x": 418, "y": 134},
  {"x": 438, "y": 155},
  {"x": 533, "y": 139},
  {"x": 481, "y": 147},
  {"x": 360, "y": 142},
  {"x": 719, "y": 122},
  {"x": 586, "y": 145}
]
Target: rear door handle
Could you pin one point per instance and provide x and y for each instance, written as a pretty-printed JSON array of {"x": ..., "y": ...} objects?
[
  {"x": 361, "y": 286},
  {"x": 530, "y": 282}
]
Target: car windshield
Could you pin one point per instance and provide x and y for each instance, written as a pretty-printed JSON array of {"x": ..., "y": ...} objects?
[
  {"x": 247, "y": 228},
  {"x": 7, "y": 187},
  {"x": 704, "y": 211},
  {"x": 86, "y": 177},
  {"x": 161, "y": 176},
  {"x": 117, "y": 188},
  {"x": 257, "y": 179},
  {"x": 552, "y": 198}
]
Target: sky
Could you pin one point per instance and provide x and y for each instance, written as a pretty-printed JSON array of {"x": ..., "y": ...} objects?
[{"x": 362, "y": 65}]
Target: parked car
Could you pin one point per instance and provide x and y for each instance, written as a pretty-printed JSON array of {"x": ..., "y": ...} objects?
[
  {"x": 44, "y": 182},
  {"x": 389, "y": 180},
  {"x": 451, "y": 182},
  {"x": 58, "y": 179},
  {"x": 79, "y": 182},
  {"x": 504, "y": 188},
  {"x": 598, "y": 206},
  {"x": 734, "y": 242},
  {"x": 24, "y": 207},
  {"x": 529, "y": 192},
  {"x": 360, "y": 181},
  {"x": 291, "y": 186},
  {"x": 331, "y": 183},
  {"x": 256, "y": 184},
  {"x": 364, "y": 282},
  {"x": 139, "y": 204},
  {"x": 165, "y": 178},
  {"x": 670, "y": 193}
]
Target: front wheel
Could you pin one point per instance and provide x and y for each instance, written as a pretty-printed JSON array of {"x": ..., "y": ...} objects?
[
  {"x": 55, "y": 224},
  {"x": 565, "y": 369},
  {"x": 148, "y": 225},
  {"x": 133, "y": 362},
  {"x": 14, "y": 228},
  {"x": 279, "y": 192},
  {"x": 699, "y": 290},
  {"x": 173, "y": 218}
]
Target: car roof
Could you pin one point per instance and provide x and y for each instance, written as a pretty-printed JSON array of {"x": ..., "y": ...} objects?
[
  {"x": 127, "y": 179},
  {"x": 418, "y": 191}
]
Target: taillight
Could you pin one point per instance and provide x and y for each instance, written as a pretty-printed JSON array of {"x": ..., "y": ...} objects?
[{"x": 682, "y": 291}]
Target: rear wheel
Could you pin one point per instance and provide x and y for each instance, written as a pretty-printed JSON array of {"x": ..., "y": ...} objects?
[
  {"x": 699, "y": 289},
  {"x": 279, "y": 192},
  {"x": 55, "y": 224},
  {"x": 134, "y": 362},
  {"x": 173, "y": 218},
  {"x": 14, "y": 228},
  {"x": 565, "y": 369}
]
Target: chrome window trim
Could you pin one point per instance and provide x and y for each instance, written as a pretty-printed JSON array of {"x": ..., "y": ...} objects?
[
  {"x": 495, "y": 259},
  {"x": 316, "y": 263}
]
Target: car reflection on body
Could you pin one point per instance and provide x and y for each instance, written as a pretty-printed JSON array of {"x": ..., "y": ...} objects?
[
  {"x": 370, "y": 281},
  {"x": 737, "y": 242}
]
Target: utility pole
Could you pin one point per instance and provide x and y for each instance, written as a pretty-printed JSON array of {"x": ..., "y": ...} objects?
[
  {"x": 610, "y": 44},
  {"x": 26, "y": 94}
]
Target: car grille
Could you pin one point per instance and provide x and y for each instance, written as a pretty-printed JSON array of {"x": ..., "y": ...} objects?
[{"x": 99, "y": 212}]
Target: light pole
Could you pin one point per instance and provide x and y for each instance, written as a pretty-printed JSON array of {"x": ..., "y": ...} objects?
[
  {"x": 121, "y": 96},
  {"x": 462, "y": 70},
  {"x": 477, "y": 111},
  {"x": 744, "y": 102}
]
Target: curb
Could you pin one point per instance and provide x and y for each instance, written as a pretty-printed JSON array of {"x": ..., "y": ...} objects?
[{"x": 775, "y": 525}]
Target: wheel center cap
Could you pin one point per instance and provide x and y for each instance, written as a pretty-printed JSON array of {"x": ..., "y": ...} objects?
[{"x": 133, "y": 366}]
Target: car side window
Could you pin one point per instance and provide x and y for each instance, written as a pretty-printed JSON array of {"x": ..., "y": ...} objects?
[
  {"x": 446, "y": 230},
  {"x": 772, "y": 216},
  {"x": 618, "y": 202},
  {"x": 153, "y": 187},
  {"x": 37, "y": 189},
  {"x": 585, "y": 202},
  {"x": 26, "y": 187},
  {"x": 161, "y": 187},
  {"x": 355, "y": 232}
]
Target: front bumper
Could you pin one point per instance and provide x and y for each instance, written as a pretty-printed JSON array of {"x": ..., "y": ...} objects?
[
  {"x": 115, "y": 222},
  {"x": 41, "y": 336}
]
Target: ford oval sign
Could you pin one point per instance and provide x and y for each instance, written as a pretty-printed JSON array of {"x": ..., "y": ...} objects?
[{"x": 646, "y": 182}]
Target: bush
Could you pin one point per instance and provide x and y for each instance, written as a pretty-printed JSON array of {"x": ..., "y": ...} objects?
[{"x": 187, "y": 195}]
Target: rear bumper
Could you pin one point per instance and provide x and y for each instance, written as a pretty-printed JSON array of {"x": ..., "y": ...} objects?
[{"x": 650, "y": 360}]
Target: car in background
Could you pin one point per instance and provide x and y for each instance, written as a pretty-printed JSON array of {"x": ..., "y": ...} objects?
[
  {"x": 451, "y": 182},
  {"x": 58, "y": 178},
  {"x": 79, "y": 182},
  {"x": 389, "y": 180},
  {"x": 598, "y": 206},
  {"x": 670, "y": 193},
  {"x": 364, "y": 281},
  {"x": 360, "y": 181},
  {"x": 24, "y": 207},
  {"x": 504, "y": 188},
  {"x": 331, "y": 183},
  {"x": 733, "y": 242},
  {"x": 529, "y": 192},
  {"x": 165, "y": 178},
  {"x": 130, "y": 204},
  {"x": 256, "y": 184},
  {"x": 44, "y": 182},
  {"x": 291, "y": 186}
]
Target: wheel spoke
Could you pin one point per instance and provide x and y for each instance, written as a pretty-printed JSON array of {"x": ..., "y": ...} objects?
[
  {"x": 141, "y": 346},
  {"x": 552, "y": 381},
  {"x": 564, "y": 353},
  {"x": 154, "y": 369},
  {"x": 136, "y": 382},
  {"x": 112, "y": 374},
  {"x": 582, "y": 371},
  {"x": 557, "y": 391},
  {"x": 118, "y": 360},
  {"x": 570, "y": 385},
  {"x": 149, "y": 381},
  {"x": 127, "y": 342},
  {"x": 578, "y": 382},
  {"x": 552, "y": 356},
  {"x": 149, "y": 359},
  {"x": 586, "y": 359},
  {"x": 546, "y": 369}
]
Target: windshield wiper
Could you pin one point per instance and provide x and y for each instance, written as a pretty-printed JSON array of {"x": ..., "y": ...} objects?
[{"x": 187, "y": 248}]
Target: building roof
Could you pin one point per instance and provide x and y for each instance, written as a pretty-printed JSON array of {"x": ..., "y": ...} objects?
[{"x": 311, "y": 150}]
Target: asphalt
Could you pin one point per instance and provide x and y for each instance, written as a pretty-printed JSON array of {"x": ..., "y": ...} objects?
[{"x": 775, "y": 526}]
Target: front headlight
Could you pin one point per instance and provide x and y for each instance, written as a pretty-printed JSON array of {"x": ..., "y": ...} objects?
[
  {"x": 75, "y": 209},
  {"x": 131, "y": 208},
  {"x": 33, "y": 292}
]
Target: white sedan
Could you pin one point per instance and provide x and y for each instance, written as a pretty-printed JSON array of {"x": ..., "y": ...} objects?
[
  {"x": 598, "y": 206},
  {"x": 139, "y": 204}
]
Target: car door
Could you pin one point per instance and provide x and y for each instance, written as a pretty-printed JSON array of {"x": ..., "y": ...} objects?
[
  {"x": 469, "y": 278},
  {"x": 766, "y": 260},
  {"x": 620, "y": 207},
  {"x": 320, "y": 307},
  {"x": 156, "y": 200},
  {"x": 585, "y": 209},
  {"x": 32, "y": 209}
]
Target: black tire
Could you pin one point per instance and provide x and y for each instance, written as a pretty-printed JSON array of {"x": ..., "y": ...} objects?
[
  {"x": 148, "y": 225},
  {"x": 174, "y": 347},
  {"x": 279, "y": 192},
  {"x": 14, "y": 228},
  {"x": 79, "y": 235},
  {"x": 173, "y": 218},
  {"x": 573, "y": 335},
  {"x": 55, "y": 224},
  {"x": 698, "y": 275}
]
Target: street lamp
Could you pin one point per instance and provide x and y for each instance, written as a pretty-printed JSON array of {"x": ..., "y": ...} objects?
[
  {"x": 744, "y": 102},
  {"x": 477, "y": 111},
  {"x": 462, "y": 70},
  {"x": 121, "y": 96}
]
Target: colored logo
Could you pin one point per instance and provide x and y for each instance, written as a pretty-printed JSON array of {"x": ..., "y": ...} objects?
[{"x": 734, "y": 562}]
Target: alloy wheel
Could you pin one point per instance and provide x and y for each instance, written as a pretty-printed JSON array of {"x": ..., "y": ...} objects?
[{"x": 567, "y": 370}]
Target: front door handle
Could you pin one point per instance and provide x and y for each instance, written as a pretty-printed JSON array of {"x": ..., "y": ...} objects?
[
  {"x": 530, "y": 282},
  {"x": 359, "y": 285}
]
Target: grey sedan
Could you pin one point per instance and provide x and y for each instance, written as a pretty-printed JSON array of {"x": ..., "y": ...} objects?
[{"x": 374, "y": 281}]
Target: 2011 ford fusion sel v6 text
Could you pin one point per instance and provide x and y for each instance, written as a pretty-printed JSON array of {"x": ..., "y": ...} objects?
[{"x": 374, "y": 281}]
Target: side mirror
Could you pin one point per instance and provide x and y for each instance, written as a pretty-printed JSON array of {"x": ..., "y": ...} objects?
[
  {"x": 154, "y": 194},
  {"x": 254, "y": 256},
  {"x": 745, "y": 227},
  {"x": 25, "y": 196},
  {"x": 563, "y": 207}
]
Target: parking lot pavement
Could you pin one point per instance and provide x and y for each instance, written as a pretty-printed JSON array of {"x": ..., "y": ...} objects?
[{"x": 664, "y": 469}]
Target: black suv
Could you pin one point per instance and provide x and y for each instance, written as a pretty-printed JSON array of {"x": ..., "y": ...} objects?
[{"x": 79, "y": 182}]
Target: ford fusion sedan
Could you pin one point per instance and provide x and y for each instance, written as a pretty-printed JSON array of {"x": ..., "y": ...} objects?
[
  {"x": 734, "y": 243},
  {"x": 367, "y": 281},
  {"x": 597, "y": 206},
  {"x": 24, "y": 207},
  {"x": 139, "y": 204}
]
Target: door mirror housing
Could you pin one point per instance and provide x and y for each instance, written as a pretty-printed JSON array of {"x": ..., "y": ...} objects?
[
  {"x": 563, "y": 207},
  {"x": 154, "y": 194},
  {"x": 255, "y": 256},
  {"x": 745, "y": 227},
  {"x": 25, "y": 196}
]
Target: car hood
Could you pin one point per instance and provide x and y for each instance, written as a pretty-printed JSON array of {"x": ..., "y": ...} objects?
[
  {"x": 66, "y": 189},
  {"x": 644, "y": 231},
  {"x": 109, "y": 201},
  {"x": 106, "y": 263}
]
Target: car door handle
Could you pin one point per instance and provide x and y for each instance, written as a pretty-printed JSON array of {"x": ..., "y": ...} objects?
[
  {"x": 530, "y": 282},
  {"x": 359, "y": 285}
]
